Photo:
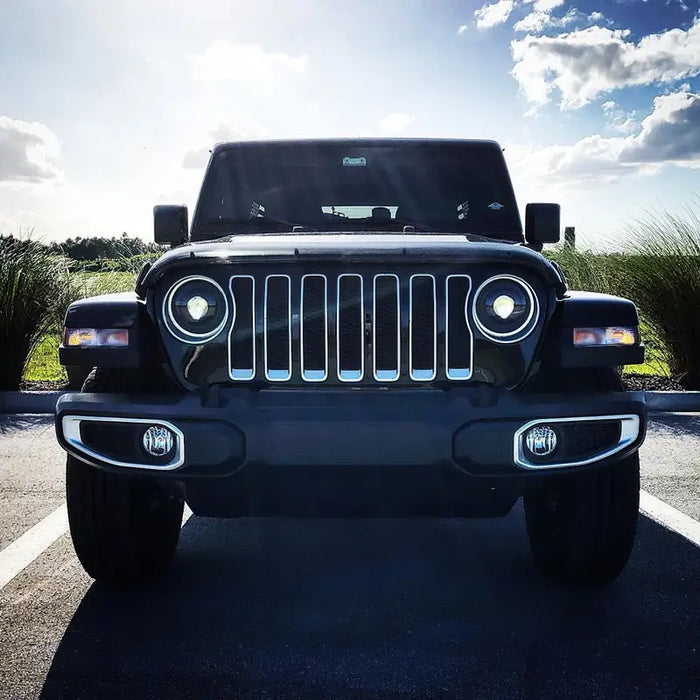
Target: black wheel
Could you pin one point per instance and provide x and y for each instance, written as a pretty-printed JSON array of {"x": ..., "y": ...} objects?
[
  {"x": 582, "y": 526},
  {"x": 124, "y": 529}
]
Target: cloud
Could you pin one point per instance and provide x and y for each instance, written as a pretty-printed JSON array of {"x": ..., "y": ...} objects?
[
  {"x": 396, "y": 123},
  {"x": 669, "y": 134},
  {"x": 496, "y": 13},
  {"x": 547, "y": 5},
  {"x": 197, "y": 158},
  {"x": 462, "y": 28},
  {"x": 224, "y": 61},
  {"x": 29, "y": 151},
  {"x": 539, "y": 19},
  {"x": 618, "y": 119},
  {"x": 584, "y": 64}
]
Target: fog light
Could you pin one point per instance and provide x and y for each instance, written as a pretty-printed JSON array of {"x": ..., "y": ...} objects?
[
  {"x": 541, "y": 440},
  {"x": 158, "y": 441}
]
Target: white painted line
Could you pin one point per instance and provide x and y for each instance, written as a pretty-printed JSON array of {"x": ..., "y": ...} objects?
[
  {"x": 25, "y": 549},
  {"x": 668, "y": 516}
]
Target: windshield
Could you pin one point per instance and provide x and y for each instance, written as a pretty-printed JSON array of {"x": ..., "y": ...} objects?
[{"x": 458, "y": 187}]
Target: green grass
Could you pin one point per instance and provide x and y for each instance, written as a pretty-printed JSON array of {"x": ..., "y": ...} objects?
[
  {"x": 32, "y": 288},
  {"x": 43, "y": 363}
]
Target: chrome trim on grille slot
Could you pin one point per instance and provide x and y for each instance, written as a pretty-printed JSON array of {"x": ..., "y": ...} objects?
[
  {"x": 278, "y": 375},
  {"x": 314, "y": 375},
  {"x": 350, "y": 375},
  {"x": 423, "y": 374},
  {"x": 386, "y": 375},
  {"x": 242, "y": 374},
  {"x": 458, "y": 373}
]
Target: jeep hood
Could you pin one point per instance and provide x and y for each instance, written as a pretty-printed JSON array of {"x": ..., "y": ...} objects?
[{"x": 390, "y": 248}]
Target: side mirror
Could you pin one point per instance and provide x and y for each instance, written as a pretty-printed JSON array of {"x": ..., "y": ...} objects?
[
  {"x": 170, "y": 223},
  {"x": 542, "y": 223}
]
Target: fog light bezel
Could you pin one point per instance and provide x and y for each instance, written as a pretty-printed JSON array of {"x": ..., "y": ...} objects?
[
  {"x": 630, "y": 425},
  {"x": 70, "y": 428}
]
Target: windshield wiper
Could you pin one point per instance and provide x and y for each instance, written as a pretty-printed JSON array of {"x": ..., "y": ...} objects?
[
  {"x": 418, "y": 225},
  {"x": 259, "y": 220}
]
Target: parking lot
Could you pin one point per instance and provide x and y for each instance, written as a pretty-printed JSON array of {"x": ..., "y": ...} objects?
[{"x": 351, "y": 609}]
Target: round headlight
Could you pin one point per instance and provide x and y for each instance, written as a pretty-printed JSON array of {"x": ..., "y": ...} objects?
[
  {"x": 503, "y": 306},
  {"x": 505, "y": 309},
  {"x": 195, "y": 309}
]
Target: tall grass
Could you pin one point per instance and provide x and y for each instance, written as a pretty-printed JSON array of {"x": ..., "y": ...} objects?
[
  {"x": 663, "y": 274},
  {"x": 591, "y": 271},
  {"x": 32, "y": 286}
]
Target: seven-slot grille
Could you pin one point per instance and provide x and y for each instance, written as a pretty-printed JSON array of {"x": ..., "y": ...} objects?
[{"x": 350, "y": 328}]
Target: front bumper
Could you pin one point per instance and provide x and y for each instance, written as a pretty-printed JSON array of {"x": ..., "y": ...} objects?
[
  {"x": 471, "y": 429},
  {"x": 343, "y": 453}
]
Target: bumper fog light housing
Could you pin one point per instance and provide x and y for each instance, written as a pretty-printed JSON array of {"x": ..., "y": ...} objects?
[
  {"x": 541, "y": 440},
  {"x": 158, "y": 441}
]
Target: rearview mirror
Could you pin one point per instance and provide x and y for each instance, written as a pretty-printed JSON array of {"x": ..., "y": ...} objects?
[
  {"x": 170, "y": 223},
  {"x": 542, "y": 223}
]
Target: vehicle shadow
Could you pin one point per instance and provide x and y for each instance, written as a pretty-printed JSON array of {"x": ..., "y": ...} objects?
[
  {"x": 386, "y": 608},
  {"x": 680, "y": 424},
  {"x": 10, "y": 422}
]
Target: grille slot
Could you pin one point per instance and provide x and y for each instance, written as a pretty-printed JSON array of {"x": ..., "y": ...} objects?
[
  {"x": 242, "y": 339},
  {"x": 314, "y": 328},
  {"x": 278, "y": 328},
  {"x": 459, "y": 341},
  {"x": 422, "y": 318},
  {"x": 387, "y": 328},
  {"x": 350, "y": 349}
]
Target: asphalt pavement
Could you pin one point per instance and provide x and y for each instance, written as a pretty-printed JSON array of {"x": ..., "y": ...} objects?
[{"x": 351, "y": 608}]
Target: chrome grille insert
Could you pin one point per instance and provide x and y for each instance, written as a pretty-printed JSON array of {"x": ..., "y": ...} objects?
[
  {"x": 386, "y": 328},
  {"x": 278, "y": 328},
  {"x": 350, "y": 335},
  {"x": 314, "y": 328},
  {"x": 303, "y": 326},
  {"x": 459, "y": 341},
  {"x": 242, "y": 336},
  {"x": 422, "y": 328}
]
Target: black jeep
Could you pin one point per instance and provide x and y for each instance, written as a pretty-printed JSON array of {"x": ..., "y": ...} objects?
[{"x": 353, "y": 328}]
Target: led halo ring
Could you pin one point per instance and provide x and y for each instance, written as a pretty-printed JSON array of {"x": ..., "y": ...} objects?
[
  {"x": 182, "y": 334},
  {"x": 506, "y": 338}
]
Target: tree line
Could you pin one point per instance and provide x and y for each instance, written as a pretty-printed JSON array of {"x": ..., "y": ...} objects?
[{"x": 95, "y": 248}]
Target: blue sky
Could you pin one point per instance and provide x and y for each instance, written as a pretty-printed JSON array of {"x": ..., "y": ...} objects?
[{"x": 109, "y": 108}]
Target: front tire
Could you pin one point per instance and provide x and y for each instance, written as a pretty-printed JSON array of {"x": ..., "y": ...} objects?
[
  {"x": 124, "y": 529},
  {"x": 582, "y": 526}
]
